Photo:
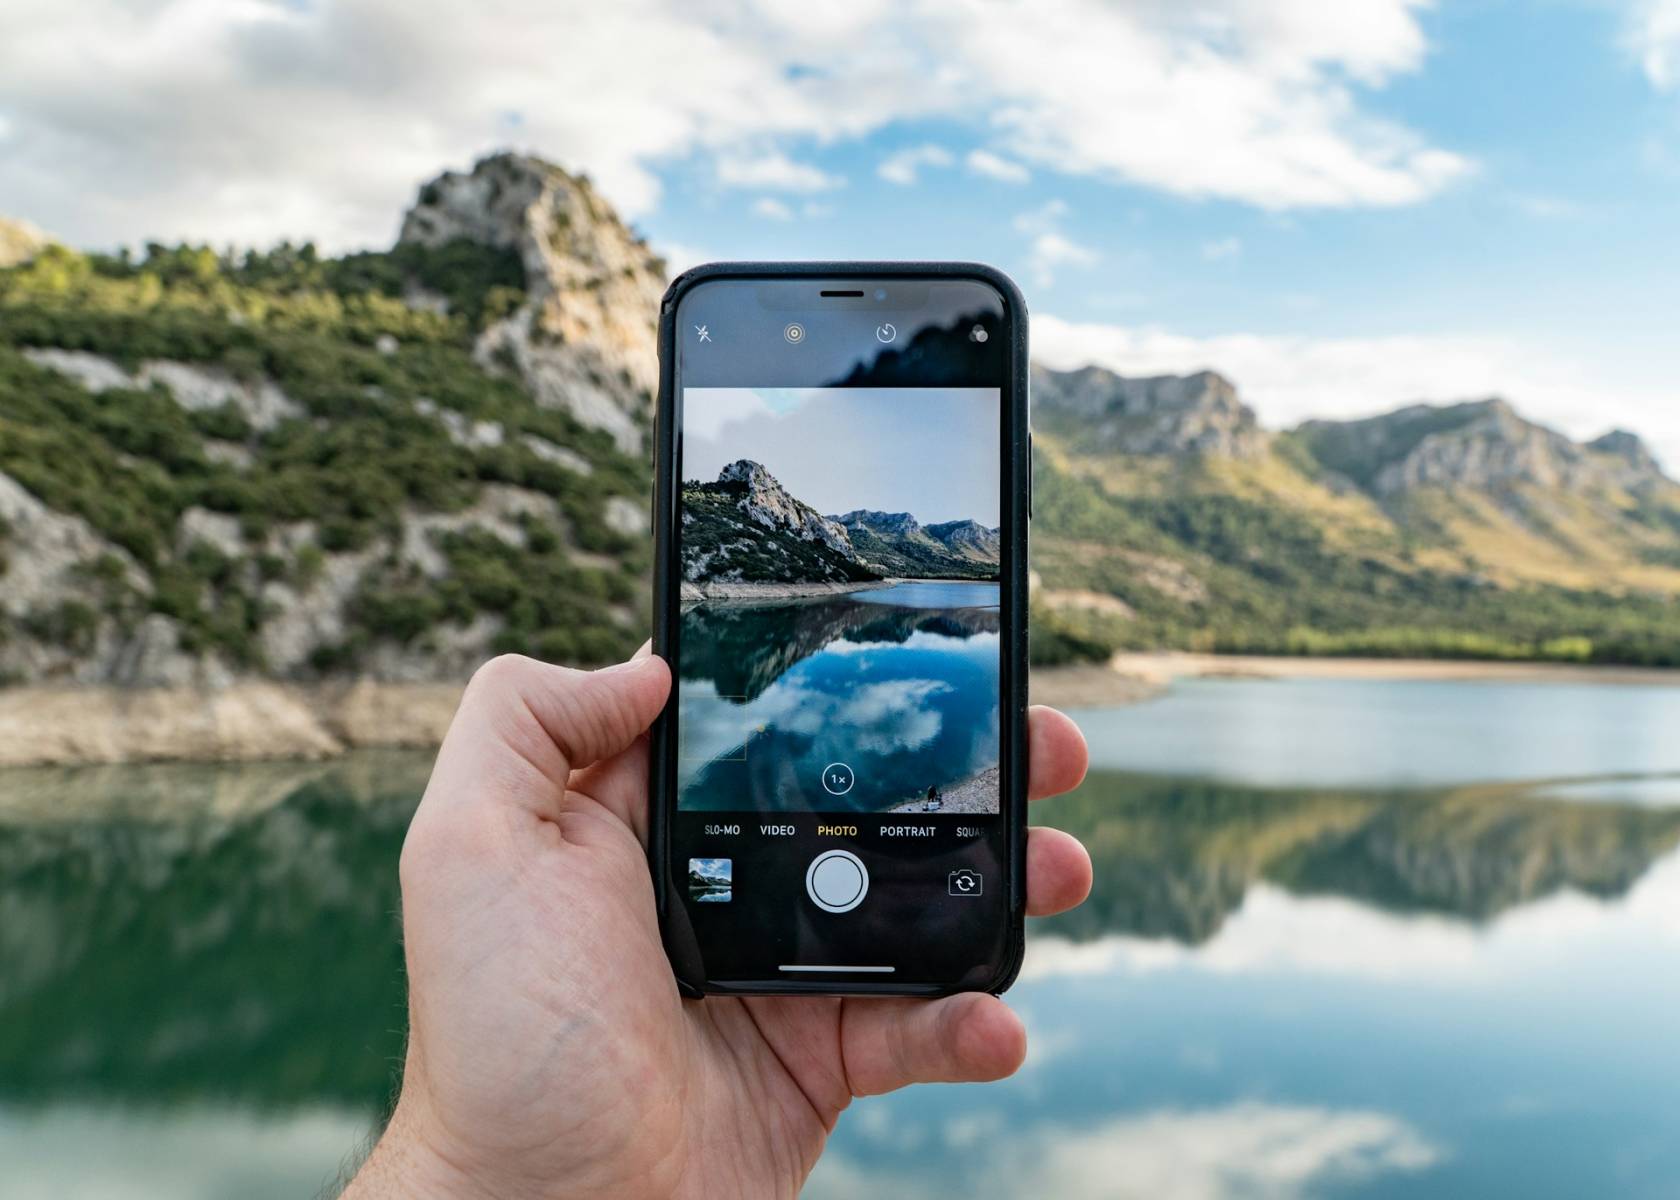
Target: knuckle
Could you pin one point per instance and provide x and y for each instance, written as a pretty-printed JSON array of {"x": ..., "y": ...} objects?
[{"x": 503, "y": 673}]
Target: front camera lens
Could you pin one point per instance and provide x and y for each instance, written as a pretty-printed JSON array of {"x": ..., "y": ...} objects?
[{"x": 794, "y": 333}]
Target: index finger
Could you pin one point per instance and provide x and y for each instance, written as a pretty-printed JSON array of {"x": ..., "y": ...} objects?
[{"x": 1056, "y": 753}]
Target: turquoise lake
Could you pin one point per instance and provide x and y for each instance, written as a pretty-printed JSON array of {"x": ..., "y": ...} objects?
[
  {"x": 1348, "y": 939},
  {"x": 899, "y": 683}
]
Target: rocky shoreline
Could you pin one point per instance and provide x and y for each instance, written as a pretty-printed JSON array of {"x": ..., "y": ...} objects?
[
  {"x": 976, "y": 794},
  {"x": 747, "y": 593}
]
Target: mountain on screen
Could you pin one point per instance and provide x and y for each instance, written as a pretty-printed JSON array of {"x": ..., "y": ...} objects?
[{"x": 745, "y": 528}]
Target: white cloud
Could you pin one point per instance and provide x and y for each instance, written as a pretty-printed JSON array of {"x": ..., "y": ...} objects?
[
  {"x": 772, "y": 208},
  {"x": 248, "y": 120},
  {"x": 1051, "y": 250},
  {"x": 1289, "y": 378},
  {"x": 1227, "y": 247},
  {"x": 1235, "y": 100},
  {"x": 775, "y": 171},
  {"x": 1654, "y": 37},
  {"x": 1048, "y": 248},
  {"x": 903, "y": 166},
  {"x": 680, "y": 257},
  {"x": 995, "y": 166}
]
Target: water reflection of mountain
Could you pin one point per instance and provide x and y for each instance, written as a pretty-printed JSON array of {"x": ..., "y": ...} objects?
[
  {"x": 242, "y": 944},
  {"x": 1174, "y": 857},
  {"x": 248, "y": 950},
  {"x": 744, "y": 648}
]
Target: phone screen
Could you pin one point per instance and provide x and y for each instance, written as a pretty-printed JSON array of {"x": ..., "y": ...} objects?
[{"x": 840, "y": 557}]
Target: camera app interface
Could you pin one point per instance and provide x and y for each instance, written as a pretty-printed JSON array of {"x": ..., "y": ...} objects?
[{"x": 839, "y": 645}]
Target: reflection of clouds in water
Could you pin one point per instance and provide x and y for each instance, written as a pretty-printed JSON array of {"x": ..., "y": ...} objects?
[
  {"x": 187, "y": 1154},
  {"x": 880, "y": 718},
  {"x": 1240, "y": 1150},
  {"x": 1277, "y": 931}
]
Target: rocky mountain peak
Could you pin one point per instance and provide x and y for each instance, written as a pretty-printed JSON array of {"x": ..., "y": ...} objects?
[
  {"x": 755, "y": 476},
  {"x": 889, "y": 524},
  {"x": 969, "y": 539},
  {"x": 586, "y": 339},
  {"x": 1629, "y": 447},
  {"x": 19, "y": 242},
  {"x": 767, "y": 502},
  {"x": 1101, "y": 412}
]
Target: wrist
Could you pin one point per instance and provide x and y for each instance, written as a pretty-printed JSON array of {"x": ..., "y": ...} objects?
[{"x": 407, "y": 1163}]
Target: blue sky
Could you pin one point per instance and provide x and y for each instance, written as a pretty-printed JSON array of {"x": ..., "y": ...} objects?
[
  {"x": 930, "y": 452},
  {"x": 1344, "y": 207}
]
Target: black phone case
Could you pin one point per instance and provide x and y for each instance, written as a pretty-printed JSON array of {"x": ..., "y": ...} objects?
[{"x": 680, "y": 946}]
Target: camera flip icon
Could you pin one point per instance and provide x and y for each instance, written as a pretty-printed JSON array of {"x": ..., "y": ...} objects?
[{"x": 964, "y": 882}]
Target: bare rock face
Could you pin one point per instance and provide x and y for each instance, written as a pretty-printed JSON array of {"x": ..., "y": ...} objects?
[
  {"x": 585, "y": 341},
  {"x": 767, "y": 502},
  {"x": 1098, "y": 411},
  {"x": 195, "y": 388},
  {"x": 53, "y": 631},
  {"x": 19, "y": 242}
]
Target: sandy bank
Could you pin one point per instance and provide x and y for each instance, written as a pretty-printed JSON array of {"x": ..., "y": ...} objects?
[
  {"x": 251, "y": 720},
  {"x": 1161, "y": 667},
  {"x": 1091, "y": 685}
]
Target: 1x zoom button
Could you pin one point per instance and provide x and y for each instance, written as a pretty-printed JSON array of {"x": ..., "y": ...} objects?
[{"x": 837, "y": 881}]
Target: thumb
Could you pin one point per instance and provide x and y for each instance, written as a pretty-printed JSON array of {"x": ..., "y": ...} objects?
[
  {"x": 524, "y": 725},
  {"x": 889, "y": 1044}
]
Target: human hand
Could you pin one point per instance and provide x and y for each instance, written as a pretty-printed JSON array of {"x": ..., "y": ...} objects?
[{"x": 549, "y": 1052}]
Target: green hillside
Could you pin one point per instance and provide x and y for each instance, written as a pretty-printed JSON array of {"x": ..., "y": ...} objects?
[
  {"x": 377, "y": 391},
  {"x": 1270, "y": 554},
  {"x": 721, "y": 542}
]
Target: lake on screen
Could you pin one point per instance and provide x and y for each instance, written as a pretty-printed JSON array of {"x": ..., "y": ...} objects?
[
  {"x": 898, "y": 683},
  {"x": 1367, "y": 939}
]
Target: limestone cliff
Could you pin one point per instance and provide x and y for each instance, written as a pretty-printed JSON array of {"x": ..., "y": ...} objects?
[{"x": 584, "y": 340}]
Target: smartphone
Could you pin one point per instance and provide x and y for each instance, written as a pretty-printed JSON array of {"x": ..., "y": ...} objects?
[{"x": 841, "y": 507}]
